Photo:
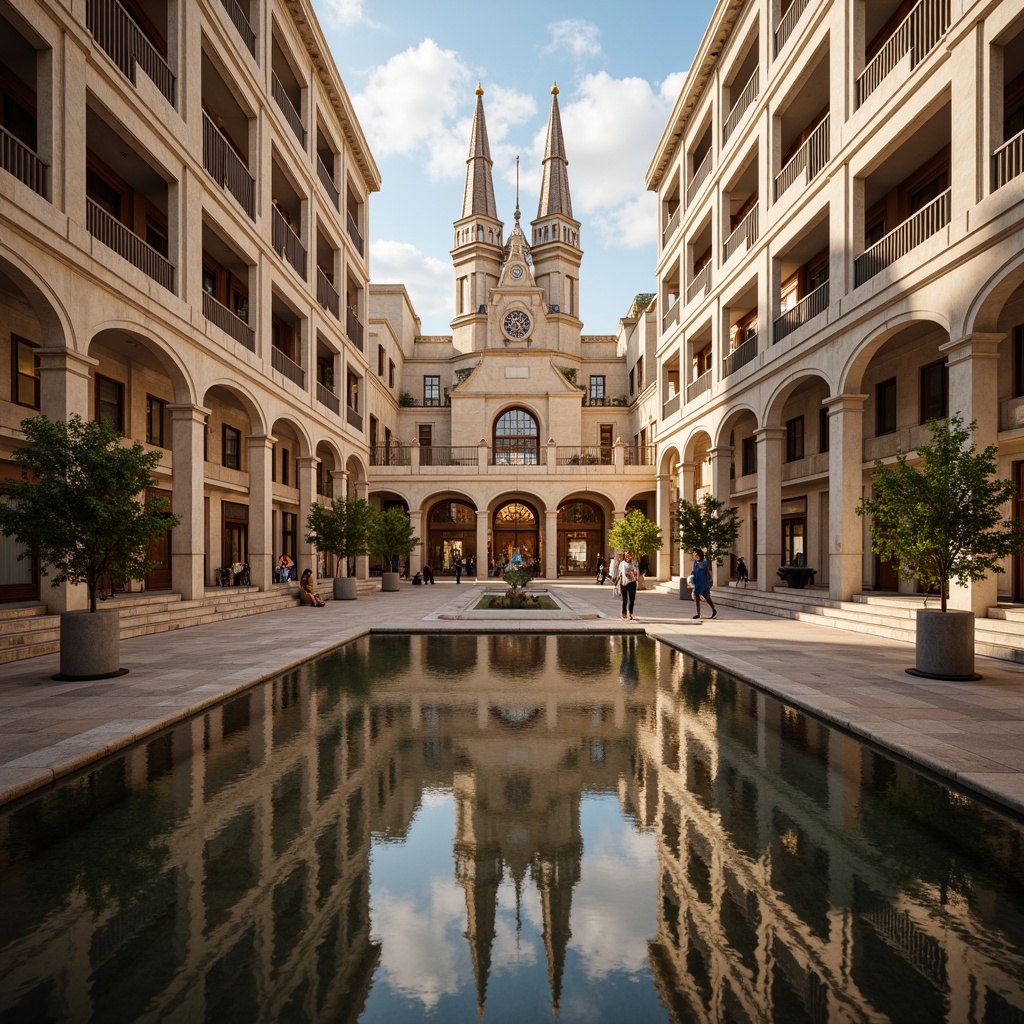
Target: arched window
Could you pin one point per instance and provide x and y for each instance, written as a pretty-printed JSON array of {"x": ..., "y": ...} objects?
[{"x": 516, "y": 439}]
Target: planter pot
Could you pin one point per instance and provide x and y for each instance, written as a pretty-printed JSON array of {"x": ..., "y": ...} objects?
[
  {"x": 796, "y": 576},
  {"x": 90, "y": 645},
  {"x": 685, "y": 593},
  {"x": 945, "y": 645},
  {"x": 388, "y": 581},
  {"x": 345, "y": 588}
]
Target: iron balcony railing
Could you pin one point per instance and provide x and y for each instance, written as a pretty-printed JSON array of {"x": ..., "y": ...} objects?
[
  {"x": 284, "y": 101},
  {"x": 354, "y": 234},
  {"x": 328, "y": 182},
  {"x": 671, "y": 317},
  {"x": 354, "y": 329},
  {"x": 746, "y": 97},
  {"x": 286, "y": 243},
  {"x": 904, "y": 237},
  {"x": 124, "y": 41},
  {"x": 806, "y": 309},
  {"x": 700, "y": 175},
  {"x": 587, "y": 455},
  {"x": 808, "y": 160},
  {"x": 353, "y": 418},
  {"x": 390, "y": 455},
  {"x": 670, "y": 227},
  {"x": 916, "y": 35},
  {"x": 1007, "y": 161},
  {"x": 740, "y": 356},
  {"x": 17, "y": 159},
  {"x": 701, "y": 283},
  {"x": 226, "y": 167},
  {"x": 325, "y": 396},
  {"x": 746, "y": 233},
  {"x": 699, "y": 386},
  {"x": 114, "y": 235},
  {"x": 291, "y": 369},
  {"x": 219, "y": 314},
  {"x": 670, "y": 407},
  {"x": 327, "y": 294},
  {"x": 599, "y": 400},
  {"x": 241, "y": 22},
  {"x": 788, "y": 22},
  {"x": 641, "y": 455},
  {"x": 441, "y": 455}
]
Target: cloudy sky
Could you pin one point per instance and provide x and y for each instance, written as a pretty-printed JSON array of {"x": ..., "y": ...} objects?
[{"x": 411, "y": 69}]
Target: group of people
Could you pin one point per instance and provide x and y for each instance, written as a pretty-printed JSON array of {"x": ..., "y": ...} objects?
[{"x": 285, "y": 571}]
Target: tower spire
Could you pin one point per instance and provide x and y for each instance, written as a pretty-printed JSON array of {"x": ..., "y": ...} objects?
[
  {"x": 478, "y": 198},
  {"x": 554, "y": 190}
]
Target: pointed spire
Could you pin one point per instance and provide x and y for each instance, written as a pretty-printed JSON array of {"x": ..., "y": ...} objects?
[
  {"x": 479, "y": 195},
  {"x": 554, "y": 190}
]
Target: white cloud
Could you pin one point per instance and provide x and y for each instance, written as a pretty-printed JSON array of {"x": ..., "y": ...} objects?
[
  {"x": 428, "y": 280},
  {"x": 580, "y": 38},
  {"x": 345, "y": 12}
]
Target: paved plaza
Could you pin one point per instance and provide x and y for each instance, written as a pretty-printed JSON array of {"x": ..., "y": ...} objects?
[{"x": 972, "y": 733}]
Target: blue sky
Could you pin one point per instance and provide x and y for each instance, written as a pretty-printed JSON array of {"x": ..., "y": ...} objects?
[{"x": 411, "y": 69}]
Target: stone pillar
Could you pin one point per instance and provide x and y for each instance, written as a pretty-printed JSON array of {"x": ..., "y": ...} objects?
[
  {"x": 845, "y": 484},
  {"x": 419, "y": 523},
  {"x": 483, "y": 562},
  {"x": 974, "y": 396},
  {"x": 721, "y": 472},
  {"x": 687, "y": 481},
  {"x": 261, "y": 543},
  {"x": 551, "y": 544},
  {"x": 307, "y": 554},
  {"x": 619, "y": 455},
  {"x": 666, "y": 486},
  {"x": 188, "y": 538},
  {"x": 769, "y": 504},
  {"x": 551, "y": 457}
]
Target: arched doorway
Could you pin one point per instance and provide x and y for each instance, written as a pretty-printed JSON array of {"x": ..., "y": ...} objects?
[
  {"x": 581, "y": 538},
  {"x": 451, "y": 533},
  {"x": 516, "y": 439},
  {"x": 515, "y": 526}
]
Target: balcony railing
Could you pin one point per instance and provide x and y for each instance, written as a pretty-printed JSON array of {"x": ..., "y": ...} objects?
[
  {"x": 284, "y": 101},
  {"x": 328, "y": 182},
  {"x": 241, "y": 22},
  {"x": 641, "y": 455},
  {"x": 600, "y": 400},
  {"x": 916, "y": 35},
  {"x": 17, "y": 159},
  {"x": 219, "y": 314},
  {"x": 739, "y": 108},
  {"x": 120, "y": 36},
  {"x": 441, "y": 455},
  {"x": 700, "y": 284},
  {"x": 808, "y": 160},
  {"x": 806, "y": 309},
  {"x": 698, "y": 386},
  {"x": 114, "y": 235},
  {"x": 286, "y": 243},
  {"x": 700, "y": 175},
  {"x": 670, "y": 407},
  {"x": 325, "y": 396},
  {"x": 1007, "y": 161},
  {"x": 740, "y": 356},
  {"x": 670, "y": 227},
  {"x": 286, "y": 365},
  {"x": 746, "y": 233},
  {"x": 226, "y": 167},
  {"x": 788, "y": 22},
  {"x": 587, "y": 455},
  {"x": 671, "y": 317},
  {"x": 353, "y": 233},
  {"x": 327, "y": 294},
  {"x": 354, "y": 329},
  {"x": 353, "y": 418},
  {"x": 904, "y": 237},
  {"x": 390, "y": 455}
]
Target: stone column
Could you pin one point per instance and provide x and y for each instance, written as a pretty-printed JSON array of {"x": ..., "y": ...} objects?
[
  {"x": 483, "y": 562},
  {"x": 666, "y": 486},
  {"x": 551, "y": 544},
  {"x": 419, "y": 529},
  {"x": 306, "y": 553},
  {"x": 188, "y": 538},
  {"x": 721, "y": 472},
  {"x": 687, "y": 480},
  {"x": 845, "y": 484},
  {"x": 261, "y": 543},
  {"x": 769, "y": 504}
]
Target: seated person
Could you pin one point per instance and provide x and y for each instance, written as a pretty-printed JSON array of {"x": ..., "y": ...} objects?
[
  {"x": 417, "y": 580},
  {"x": 285, "y": 569},
  {"x": 307, "y": 590},
  {"x": 428, "y": 574}
]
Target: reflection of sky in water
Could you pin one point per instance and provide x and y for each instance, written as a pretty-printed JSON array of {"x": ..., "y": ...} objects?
[{"x": 418, "y": 909}]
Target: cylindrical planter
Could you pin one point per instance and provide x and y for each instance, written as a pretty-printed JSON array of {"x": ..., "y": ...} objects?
[
  {"x": 388, "y": 581},
  {"x": 685, "y": 594},
  {"x": 345, "y": 588},
  {"x": 90, "y": 645},
  {"x": 945, "y": 645}
]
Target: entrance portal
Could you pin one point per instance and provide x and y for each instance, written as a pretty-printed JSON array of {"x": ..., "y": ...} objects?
[
  {"x": 515, "y": 527},
  {"x": 581, "y": 538},
  {"x": 451, "y": 534}
]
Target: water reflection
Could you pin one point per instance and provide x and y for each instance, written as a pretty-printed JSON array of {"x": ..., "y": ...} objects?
[{"x": 514, "y": 827}]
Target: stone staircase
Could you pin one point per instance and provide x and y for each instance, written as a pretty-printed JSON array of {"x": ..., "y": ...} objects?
[
  {"x": 1000, "y": 635},
  {"x": 27, "y": 630}
]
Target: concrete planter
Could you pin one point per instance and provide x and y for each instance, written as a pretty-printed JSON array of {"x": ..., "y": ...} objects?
[
  {"x": 388, "y": 581},
  {"x": 345, "y": 588},
  {"x": 685, "y": 593},
  {"x": 945, "y": 645},
  {"x": 796, "y": 576},
  {"x": 90, "y": 645}
]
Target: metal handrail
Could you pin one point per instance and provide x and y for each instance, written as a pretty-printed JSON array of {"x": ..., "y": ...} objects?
[
  {"x": 390, "y": 455},
  {"x": 670, "y": 406},
  {"x": 17, "y": 159},
  {"x": 701, "y": 283},
  {"x": 444, "y": 455},
  {"x": 326, "y": 293},
  {"x": 671, "y": 317},
  {"x": 1008, "y": 161},
  {"x": 740, "y": 356},
  {"x": 354, "y": 329},
  {"x": 904, "y": 237},
  {"x": 746, "y": 97},
  {"x": 284, "y": 101},
  {"x": 219, "y": 314},
  {"x": 806, "y": 309},
  {"x": 325, "y": 396},
  {"x": 227, "y": 167},
  {"x": 241, "y": 22},
  {"x": 698, "y": 386},
  {"x": 286, "y": 365},
  {"x": 286, "y": 243},
  {"x": 670, "y": 227},
  {"x": 788, "y": 22},
  {"x": 811, "y": 158},
  {"x": 117, "y": 236},
  {"x": 746, "y": 231},
  {"x": 700, "y": 175},
  {"x": 354, "y": 233},
  {"x": 641, "y": 455},
  {"x": 583, "y": 455},
  {"x": 328, "y": 182},
  {"x": 123, "y": 40}
]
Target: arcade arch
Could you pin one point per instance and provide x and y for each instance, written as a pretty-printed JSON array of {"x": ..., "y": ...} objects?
[{"x": 582, "y": 536}]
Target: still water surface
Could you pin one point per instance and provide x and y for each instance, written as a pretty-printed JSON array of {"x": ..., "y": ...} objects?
[{"x": 508, "y": 828}]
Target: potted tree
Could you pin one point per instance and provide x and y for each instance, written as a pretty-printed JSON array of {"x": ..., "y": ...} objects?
[
  {"x": 941, "y": 520},
  {"x": 340, "y": 529},
  {"x": 637, "y": 534},
  {"x": 391, "y": 537},
  {"x": 78, "y": 509},
  {"x": 708, "y": 526}
]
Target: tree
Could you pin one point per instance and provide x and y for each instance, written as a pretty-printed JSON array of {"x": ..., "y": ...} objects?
[
  {"x": 708, "y": 526},
  {"x": 636, "y": 534},
  {"x": 341, "y": 529},
  {"x": 942, "y": 520},
  {"x": 77, "y": 506},
  {"x": 391, "y": 535}
]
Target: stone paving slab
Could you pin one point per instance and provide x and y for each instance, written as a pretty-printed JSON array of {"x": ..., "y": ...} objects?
[{"x": 969, "y": 733}]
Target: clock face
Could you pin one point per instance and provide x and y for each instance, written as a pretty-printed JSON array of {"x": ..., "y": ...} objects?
[
  {"x": 517, "y": 271},
  {"x": 516, "y": 324}
]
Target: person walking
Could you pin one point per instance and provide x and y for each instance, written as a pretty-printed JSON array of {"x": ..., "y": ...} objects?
[
  {"x": 742, "y": 576},
  {"x": 629, "y": 572},
  {"x": 701, "y": 573},
  {"x": 600, "y": 570},
  {"x": 458, "y": 569}
]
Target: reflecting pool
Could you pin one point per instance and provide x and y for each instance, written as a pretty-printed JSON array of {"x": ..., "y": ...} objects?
[{"x": 508, "y": 828}]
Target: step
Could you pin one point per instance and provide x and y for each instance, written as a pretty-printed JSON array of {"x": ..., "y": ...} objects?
[{"x": 19, "y": 612}]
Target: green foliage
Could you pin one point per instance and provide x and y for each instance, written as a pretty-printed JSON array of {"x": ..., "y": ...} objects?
[
  {"x": 391, "y": 535},
  {"x": 517, "y": 579},
  {"x": 941, "y": 520},
  {"x": 78, "y": 505},
  {"x": 708, "y": 526},
  {"x": 405, "y": 399},
  {"x": 636, "y": 534},
  {"x": 341, "y": 529}
]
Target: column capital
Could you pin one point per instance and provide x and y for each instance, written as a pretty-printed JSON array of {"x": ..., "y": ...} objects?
[
  {"x": 56, "y": 357},
  {"x": 764, "y": 434},
  {"x": 847, "y": 402},
  {"x": 979, "y": 345},
  {"x": 185, "y": 411},
  {"x": 721, "y": 451},
  {"x": 261, "y": 440},
  {"x": 307, "y": 461}
]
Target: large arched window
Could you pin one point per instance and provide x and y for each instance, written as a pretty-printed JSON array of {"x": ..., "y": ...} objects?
[{"x": 516, "y": 439}]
